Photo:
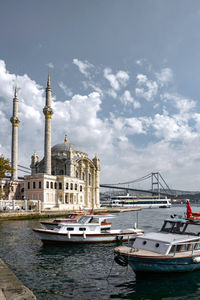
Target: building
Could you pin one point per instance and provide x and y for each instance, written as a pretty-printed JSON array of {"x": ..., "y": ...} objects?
[{"x": 65, "y": 178}]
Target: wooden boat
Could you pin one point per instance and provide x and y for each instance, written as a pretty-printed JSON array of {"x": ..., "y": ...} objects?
[
  {"x": 87, "y": 230},
  {"x": 173, "y": 249}
]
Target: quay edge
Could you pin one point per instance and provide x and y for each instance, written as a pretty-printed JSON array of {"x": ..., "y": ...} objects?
[
  {"x": 11, "y": 288},
  {"x": 25, "y": 215}
]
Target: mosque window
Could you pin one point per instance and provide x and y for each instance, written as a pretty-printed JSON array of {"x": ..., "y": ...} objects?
[
  {"x": 67, "y": 185},
  {"x": 55, "y": 185},
  {"x": 76, "y": 174},
  {"x": 75, "y": 186},
  {"x": 47, "y": 185},
  {"x": 71, "y": 186},
  {"x": 61, "y": 172},
  {"x": 81, "y": 188},
  {"x": 60, "y": 185},
  {"x": 33, "y": 184},
  {"x": 51, "y": 185},
  {"x": 83, "y": 176},
  {"x": 29, "y": 185},
  {"x": 40, "y": 184}
]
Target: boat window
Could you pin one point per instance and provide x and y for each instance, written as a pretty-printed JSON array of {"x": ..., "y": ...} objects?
[
  {"x": 70, "y": 228},
  {"x": 189, "y": 247},
  {"x": 82, "y": 229},
  {"x": 144, "y": 243},
  {"x": 197, "y": 246},
  {"x": 157, "y": 245},
  {"x": 173, "y": 249}
]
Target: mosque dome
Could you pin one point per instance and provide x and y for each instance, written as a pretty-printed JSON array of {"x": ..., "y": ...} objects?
[
  {"x": 60, "y": 147},
  {"x": 64, "y": 147}
]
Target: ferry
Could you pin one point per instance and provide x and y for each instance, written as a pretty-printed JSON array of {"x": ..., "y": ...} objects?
[{"x": 141, "y": 201}]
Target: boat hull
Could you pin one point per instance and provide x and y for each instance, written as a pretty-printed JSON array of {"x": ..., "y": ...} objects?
[
  {"x": 51, "y": 237},
  {"x": 163, "y": 265}
]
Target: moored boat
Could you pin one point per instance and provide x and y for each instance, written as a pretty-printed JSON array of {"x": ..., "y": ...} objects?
[
  {"x": 74, "y": 218},
  {"x": 174, "y": 249},
  {"x": 87, "y": 230}
]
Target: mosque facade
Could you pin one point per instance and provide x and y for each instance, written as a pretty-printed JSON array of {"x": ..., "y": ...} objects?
[{"x": 65, "y": 178}]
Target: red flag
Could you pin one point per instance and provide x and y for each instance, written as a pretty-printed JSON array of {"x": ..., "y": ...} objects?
[
  {"x": 189, "y": 210},
  {"x": 91, "y": 212}
]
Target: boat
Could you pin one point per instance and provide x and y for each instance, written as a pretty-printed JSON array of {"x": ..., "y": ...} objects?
[
  {"x": 175, "y": 248},
  {"x": 141, "y": 201},
  {"x": 74, "y": 218},
  {"x": 87, "y": 230}
]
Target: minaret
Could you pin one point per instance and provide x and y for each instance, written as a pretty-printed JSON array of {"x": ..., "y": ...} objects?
[
  {"x": 14, "y": 150},
  {"x": 48, "y": 112}
]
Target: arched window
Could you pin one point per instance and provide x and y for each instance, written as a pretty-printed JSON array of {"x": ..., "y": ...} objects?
[
  {"x": 47, "y": 185},
  {"x": 51, "y": 185},
  {"x": 55, "y": 185},
  {"x": 83, "y": 176},
  {"x": 67, "y": 185},
  {"x": 61, "y": 172},
  {"x": 75, "y": 186},
  {"x": 71, "y": 186}
]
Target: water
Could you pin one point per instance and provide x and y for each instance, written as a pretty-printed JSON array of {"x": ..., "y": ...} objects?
[{"x": 88, "y": 271}]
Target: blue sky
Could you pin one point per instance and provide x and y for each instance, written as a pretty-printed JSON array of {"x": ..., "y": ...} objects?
[{"x": 125, "y": 81}]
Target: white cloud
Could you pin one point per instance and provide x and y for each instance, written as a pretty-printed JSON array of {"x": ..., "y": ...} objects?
[
  {"x": 146, "y": 88},
  {"x": 126, "y": 145},
  {"x": 127, "y": 98},
  {"x": 84, "y": 67},
  {"x": 184, "y": 105},
  {"x": 65, "y": 89},
  {"x": 165, "y": 76},
  {"x": 50, "y": 65},
  {"x": 118, "y": 80}
]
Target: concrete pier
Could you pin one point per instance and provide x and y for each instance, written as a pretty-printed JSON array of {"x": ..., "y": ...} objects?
[
  {"x": 11, "y": 288},
  {"x": 27, "y": 215}
]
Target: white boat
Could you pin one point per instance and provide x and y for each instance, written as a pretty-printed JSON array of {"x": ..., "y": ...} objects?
[
  {"x": 141, "y": 201},
  {"x": 74, "y": 218},
  {"x": 176, "y": 248},
  {"x": 87, "y": 230}
]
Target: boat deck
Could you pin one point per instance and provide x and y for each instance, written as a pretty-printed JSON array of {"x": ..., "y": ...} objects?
[{"x": 129, "y": 251}]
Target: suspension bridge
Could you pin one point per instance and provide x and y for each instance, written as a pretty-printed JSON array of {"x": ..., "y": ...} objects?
[{"x": 158, "y": 186}]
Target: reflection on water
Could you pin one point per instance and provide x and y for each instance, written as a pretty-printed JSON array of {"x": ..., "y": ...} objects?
[{"x": 88, "y": 271}]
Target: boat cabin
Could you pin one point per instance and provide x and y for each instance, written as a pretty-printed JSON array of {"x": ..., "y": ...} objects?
[
  {"x": 166, "y": 244},
  {"x": 86, "y": 224}
]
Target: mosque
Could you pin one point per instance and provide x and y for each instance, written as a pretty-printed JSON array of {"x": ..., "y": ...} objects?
[{"x": 64, "y": 179}]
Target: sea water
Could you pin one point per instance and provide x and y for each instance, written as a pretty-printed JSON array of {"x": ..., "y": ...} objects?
[{"x": 57, "y": 272}]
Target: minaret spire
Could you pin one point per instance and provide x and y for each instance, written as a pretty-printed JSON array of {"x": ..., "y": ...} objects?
[
  {"x": 48, "y": 112},
  {"x": 14, "y": 149}
]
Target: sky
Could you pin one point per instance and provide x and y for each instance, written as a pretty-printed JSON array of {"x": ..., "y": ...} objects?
[{"x": 125, "y": 79}]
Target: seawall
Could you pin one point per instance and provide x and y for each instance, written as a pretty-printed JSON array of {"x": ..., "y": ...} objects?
[{"x": 11, "y": 288}]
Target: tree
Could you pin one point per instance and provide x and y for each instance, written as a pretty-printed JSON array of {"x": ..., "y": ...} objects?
[{"x": 5, "y": 167}]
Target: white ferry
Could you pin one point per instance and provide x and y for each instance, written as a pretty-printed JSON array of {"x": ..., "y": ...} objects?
[{"x": 141, "y": 201}]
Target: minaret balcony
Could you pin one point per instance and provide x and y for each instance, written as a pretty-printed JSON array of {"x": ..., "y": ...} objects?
[
  {"x": 15, "y": 121},
  {"x": 48, "y": 112}
]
